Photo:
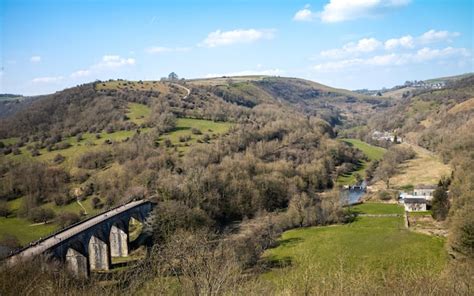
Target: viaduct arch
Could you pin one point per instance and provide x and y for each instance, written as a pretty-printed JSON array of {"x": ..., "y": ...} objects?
[{"x": 90, "y": 244}]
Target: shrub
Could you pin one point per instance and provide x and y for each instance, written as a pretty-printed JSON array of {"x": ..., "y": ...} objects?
[
  {"x": 39, "y": 214},
  {"x": 58, "y": 159},
  {"x": 35, "y": 152},
  {"x": 94, "y": 159},
  {"x": 384, "y": 195},
  {"x": 96, "y": 203},
  {"x": 196, "y": 131},
  {"x": 67, "y": 218}
]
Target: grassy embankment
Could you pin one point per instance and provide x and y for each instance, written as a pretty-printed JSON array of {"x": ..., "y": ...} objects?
[
  {"x": 372, "y": 153},
  {"x": 369, "y": 247}
]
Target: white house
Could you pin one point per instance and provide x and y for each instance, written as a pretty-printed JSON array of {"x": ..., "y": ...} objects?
[
  {"x": 425, "y": 191},
  {"x": 414, "y": 204}
]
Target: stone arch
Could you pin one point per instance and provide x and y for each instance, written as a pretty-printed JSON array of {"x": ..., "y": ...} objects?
[
  {"x": 118, "y": 238},
  {"x": 98, "y": 254},
  {"x": 76, "y": 263}
]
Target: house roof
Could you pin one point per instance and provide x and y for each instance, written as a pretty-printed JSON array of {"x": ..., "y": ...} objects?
[{"x": 414, "y": 200}]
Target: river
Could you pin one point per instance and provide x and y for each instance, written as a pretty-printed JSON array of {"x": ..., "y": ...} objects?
[{"x": 354, "y": 193}]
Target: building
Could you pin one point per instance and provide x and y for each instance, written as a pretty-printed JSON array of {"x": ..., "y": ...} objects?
[
  {"x": 386, "y": 136},
  {"x": 425, "y": 191},
  {"x": 419, "y": 199},
  {"x": 414, "y": 204}
]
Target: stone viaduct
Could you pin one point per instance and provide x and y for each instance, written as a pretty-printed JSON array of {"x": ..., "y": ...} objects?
[{"x": 90, "y": 244}]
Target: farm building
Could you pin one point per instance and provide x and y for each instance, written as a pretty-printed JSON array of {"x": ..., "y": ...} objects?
[
  {"x": 414, "y": 204},
  {"x": 425, "y": 191}
]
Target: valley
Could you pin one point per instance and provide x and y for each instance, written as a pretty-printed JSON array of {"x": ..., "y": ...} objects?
[{"x": 256, "y": 166}]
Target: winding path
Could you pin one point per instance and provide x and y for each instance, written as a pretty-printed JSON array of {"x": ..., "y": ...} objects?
[{"x": 188, "y": 91}]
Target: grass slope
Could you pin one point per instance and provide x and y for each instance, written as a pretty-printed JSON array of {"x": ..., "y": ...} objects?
[
  {"x": 425, "y": 168},
  {"x": 23, "y": 230},
  {"x": 138, "y": 113},
  {"x": 372, "y": 153},
  {"x": 370, "y": 245},
  {"x": 184, "y": 128}
]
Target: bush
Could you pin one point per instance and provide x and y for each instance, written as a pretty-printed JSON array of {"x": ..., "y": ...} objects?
[
  {"x": 384, "y": 195},
  {"x": 58, "y": 159},
  {"x": 196, "y": 131},
  {"x": 35, "y": 152},
  {"x": 16, "y": 151},
  {"x": 63, "y": 145},
  {"x": 67, "y": 218},
  {"x": 39, "y": 214},
  {"x": 96, "y": 203},
  {"x": 94, "y": 159}
]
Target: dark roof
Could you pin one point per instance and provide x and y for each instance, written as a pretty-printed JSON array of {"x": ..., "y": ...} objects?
[{"x": 414, "y": 200}]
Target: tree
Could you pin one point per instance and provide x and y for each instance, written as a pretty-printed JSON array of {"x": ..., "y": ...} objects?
[
  {"x": 173, "y": 76},
  {"x": 440, "y": 202},
  {"x": 385, "y": 170},
  {"x": 41, "y": 215}
]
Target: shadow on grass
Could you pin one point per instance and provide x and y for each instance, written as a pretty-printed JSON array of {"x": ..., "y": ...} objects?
[
  {"x": 181, "y": 128},
  {"x": 277, "y": 262},
  {"x": 289, "y": 242}
]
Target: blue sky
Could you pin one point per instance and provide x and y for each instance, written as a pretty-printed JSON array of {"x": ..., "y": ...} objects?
[{"x": 47, "y": 45}]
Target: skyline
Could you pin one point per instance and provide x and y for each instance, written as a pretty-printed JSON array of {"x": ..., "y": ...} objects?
[{"x": 49, "y": 45}]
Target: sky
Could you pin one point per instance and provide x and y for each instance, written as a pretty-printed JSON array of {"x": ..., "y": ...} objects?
[{"x": 48, "y": 45}]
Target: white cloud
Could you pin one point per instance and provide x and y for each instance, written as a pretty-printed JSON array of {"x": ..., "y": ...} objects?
[
  {"x": 436, "y": 36},
  {"x": 344, "y": 10},
  {"x": 35, "y": 59},
  {"x": 162, "y": 49},
  {"x": 268, "y": 72},
  {"x": 364, "y": 45},
  {"x": 114, "y": 61},
  {"x": 305, "y": 15},
  {"x": 222, "y": 38},
  {"x": 427, "y": 54},
  {"x": 80, "y": 73},
  {"x": 404, "y": 42},
  {"x": 51, "y": 79},
  {"x": 395, "y": 59}
]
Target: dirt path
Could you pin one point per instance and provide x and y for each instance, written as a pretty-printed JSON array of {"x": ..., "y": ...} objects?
[
  {"x": 188, "y": 91},
  {"x": 80, "y": 204}
]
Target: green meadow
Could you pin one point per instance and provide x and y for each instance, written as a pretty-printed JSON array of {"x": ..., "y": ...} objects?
[
  {"x": 372, "y": 153},
  {"x": 370, "y": 245}
]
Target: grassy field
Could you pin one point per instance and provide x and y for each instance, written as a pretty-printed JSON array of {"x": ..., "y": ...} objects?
[
  {"x": 370, "y": 245},
  {"x": 138, "y": 113},
  {"x": 184, "y": 128},
  {"x": 425, "y": 168},
  {"x": 87, "y": 143},
  {"x": 23, "y": 230},
  {"x": 378, "y": 208},
  {"x": 372, "y": 153}
]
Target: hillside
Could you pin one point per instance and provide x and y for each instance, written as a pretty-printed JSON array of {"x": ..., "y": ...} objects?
[
  {"x": 105, "y": 143},
  {"x": 439, "y": 120}
]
